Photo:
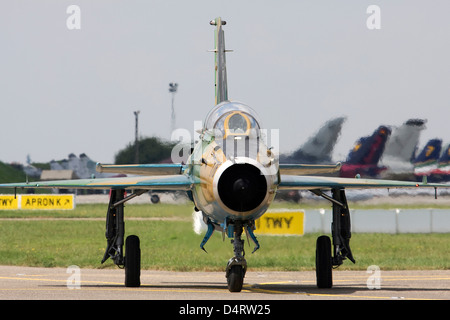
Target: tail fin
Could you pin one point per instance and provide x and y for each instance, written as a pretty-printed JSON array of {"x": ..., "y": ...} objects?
[
  {"x": 368, "y": 150},
  {"x": 319, "y": 147},
  {"x": 443, "y": 167},
  {"x": 430, "y": 153},
  {"x": 403, "y": 141},
  {"x": 444, "y": 160},
  {"x": 219, "y": 50},
  {"x": 426, "y": 161}
]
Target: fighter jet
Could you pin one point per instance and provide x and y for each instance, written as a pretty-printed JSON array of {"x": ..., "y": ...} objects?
[{"x": 232, "y": 177}]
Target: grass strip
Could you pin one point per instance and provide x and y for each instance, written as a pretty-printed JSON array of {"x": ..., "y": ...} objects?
[{"x": 172, "y": 245}]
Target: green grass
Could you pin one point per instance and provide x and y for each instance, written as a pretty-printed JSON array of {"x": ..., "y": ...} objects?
[
  {"x": 99, "y": 211},
  {"x": 172, "y": 245}
]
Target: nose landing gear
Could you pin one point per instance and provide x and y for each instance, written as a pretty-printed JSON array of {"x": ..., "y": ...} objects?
[{"x": 237, "y": 266}]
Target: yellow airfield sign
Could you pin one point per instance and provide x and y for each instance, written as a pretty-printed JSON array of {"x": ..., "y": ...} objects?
[
  {"x": 37, "y": 201},
  {"x": 8, "y": 202},
  {"x": 281, "y": 222},
  {"x": 47, "y": 201}
]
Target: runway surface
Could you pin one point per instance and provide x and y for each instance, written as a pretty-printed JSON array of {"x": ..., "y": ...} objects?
[{"x": 27, "y": 283}]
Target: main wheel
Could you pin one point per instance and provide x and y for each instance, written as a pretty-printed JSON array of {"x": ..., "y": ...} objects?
[
  {"x": 324, "y": 276},
  {"x": 235, "y": 278},
  {"x": 132, "y": 262}
]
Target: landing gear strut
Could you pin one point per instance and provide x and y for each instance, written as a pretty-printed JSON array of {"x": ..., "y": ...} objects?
[
  {"x": 341, "y": 234},
  {"x": 237, "y": 266},
  {"x": 115, "y": 231}
]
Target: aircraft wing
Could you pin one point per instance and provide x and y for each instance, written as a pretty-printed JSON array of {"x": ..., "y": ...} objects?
[
  {"x": 291, "y": 182},
  {"x": 168, "y": 182}
]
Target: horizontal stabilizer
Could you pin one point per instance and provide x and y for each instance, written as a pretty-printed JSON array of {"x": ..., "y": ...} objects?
[
  {"x": 305, "y": 169},
  {"x": 142, "y": 169}
]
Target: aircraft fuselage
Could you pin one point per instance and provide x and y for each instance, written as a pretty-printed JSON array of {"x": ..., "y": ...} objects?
[{"x": 238, "y": 173}]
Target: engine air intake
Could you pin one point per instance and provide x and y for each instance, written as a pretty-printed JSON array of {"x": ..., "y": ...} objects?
[{"x": 242, "y": 187}]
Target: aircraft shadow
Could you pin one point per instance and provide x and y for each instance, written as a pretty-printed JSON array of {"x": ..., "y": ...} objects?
[
  {"x": 336, "y": 290},
  {"x": 265, "y": 288}
]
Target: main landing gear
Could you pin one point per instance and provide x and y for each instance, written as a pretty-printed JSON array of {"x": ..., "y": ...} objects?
[
  {"x": 341, "y": 234},
  {"x": 115, "y": 231}
]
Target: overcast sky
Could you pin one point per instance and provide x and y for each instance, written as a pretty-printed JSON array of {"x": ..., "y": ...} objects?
[{"x": 297, "y": 63}]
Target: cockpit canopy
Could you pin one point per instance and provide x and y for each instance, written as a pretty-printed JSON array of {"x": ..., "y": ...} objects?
[{"x": 232, "y": 119}]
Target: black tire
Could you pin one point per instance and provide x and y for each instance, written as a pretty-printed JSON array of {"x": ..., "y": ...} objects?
[
  {"x": 324, "y": 275},
  {"x": 132, "y": 262},
  {"x": 235, "y": 278},
  {"x": 154, "y": 198}
]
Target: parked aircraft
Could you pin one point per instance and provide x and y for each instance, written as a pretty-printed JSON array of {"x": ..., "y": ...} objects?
[
  {"x": 319, "y": 147},
  {"x": 363, "y": 159},
  {"x": 427, "y": 160},
  {"x": 442, "y": 172},
  {"x": 400, "y": 151},
  {"x": 231, "y": 177}
]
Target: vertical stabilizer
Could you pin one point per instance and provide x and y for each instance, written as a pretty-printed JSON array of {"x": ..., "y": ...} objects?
[
  {"x": 363, "y": 159},
  {"x": 220, "y": 64},
  {"x": 368, "y": 150},
  {"x": 319, "y": 147},
  {"x": 403, "y": 142},
  {"x": 442, "y": 172},
  {"x": 427, "y": 160}
]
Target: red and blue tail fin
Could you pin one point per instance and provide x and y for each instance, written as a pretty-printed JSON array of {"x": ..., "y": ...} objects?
[{"x": 368, "y": 150}]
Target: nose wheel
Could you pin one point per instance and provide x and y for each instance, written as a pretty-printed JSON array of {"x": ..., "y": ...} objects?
[{"x": 235, "y": 278}]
